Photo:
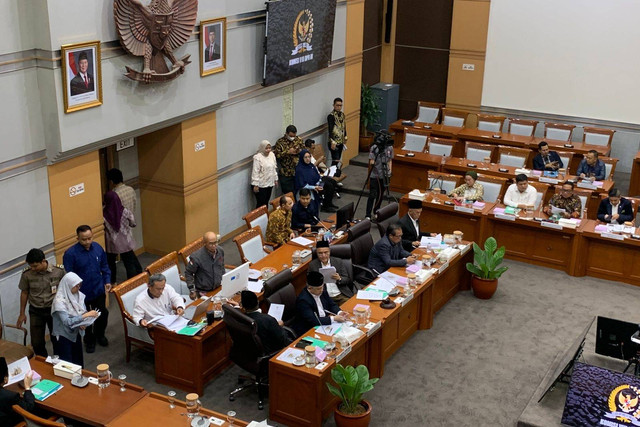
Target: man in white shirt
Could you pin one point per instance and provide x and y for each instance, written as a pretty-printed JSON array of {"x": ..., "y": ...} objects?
[
  {"x": 340, "y": 286},
  {"x": 521, "y": 194},
  {"x": 158, "y": 300}
]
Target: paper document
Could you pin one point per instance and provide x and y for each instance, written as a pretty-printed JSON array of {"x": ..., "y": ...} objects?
[
  {"x": 254, "y": 274},
  {"x": 302, "y": 241},
  {"x": 172, "y": 322},
  {"x": 384, "y": 284},
  {"x": 255, "y": 286},
  {"x": 427, "y": 241},
  {"x": 329, "y": 330},
  {"x": 87, "y": 321},
  {"x": 327, "y": 272},
  {"x": 331, "y": 171},
  {"x": 276, "y": 311},
  {"x": 370, "y": 295},
  {"x": 558, "y": 211},
  {"x": 17, "y": 370},
  {"x": 290, "y": 354}
]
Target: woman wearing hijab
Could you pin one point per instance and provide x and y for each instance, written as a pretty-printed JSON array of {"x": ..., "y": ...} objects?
[
  {"x": 68, "y": 311},
  {"x": 264, "y": 175},
  {"x": 470, "y": 190},
  {"x": 118, "y": 222},
  {"x": 9, "y": 398},
  {"x": 307, "y": 176}
]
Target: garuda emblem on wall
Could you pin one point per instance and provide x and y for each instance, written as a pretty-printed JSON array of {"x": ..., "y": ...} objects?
[{"x": 155, "y": 32}]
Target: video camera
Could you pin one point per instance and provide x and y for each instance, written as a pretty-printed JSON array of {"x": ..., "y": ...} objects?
[{"x": 382, "y": 139}]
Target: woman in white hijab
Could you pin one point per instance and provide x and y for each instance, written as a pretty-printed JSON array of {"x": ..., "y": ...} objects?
[
  {"x": 69, "y": 312},
  {"x": 264, "y": 175}
]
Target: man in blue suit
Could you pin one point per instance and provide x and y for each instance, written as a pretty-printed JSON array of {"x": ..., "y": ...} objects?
[
  {"x": 546, "y": 160},
  {"x": 388, "y": 251},
  {"x": 314, "y": 306},
  {"x": 615, "y": 208}
]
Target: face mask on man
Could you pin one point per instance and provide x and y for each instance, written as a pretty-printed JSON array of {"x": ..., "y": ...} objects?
[{"x": 290, "y": 138}]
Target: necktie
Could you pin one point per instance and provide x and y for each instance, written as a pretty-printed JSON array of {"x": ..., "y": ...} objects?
[
  {"x": 211, "y": 51},
  {"x": 86, "y": 82}
]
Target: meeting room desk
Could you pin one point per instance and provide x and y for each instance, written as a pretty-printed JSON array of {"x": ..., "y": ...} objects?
[
  {"x": 397, "y": 128},
  {"x": 533, "y": 242},
  {"x": 438, "y": 216},
  {"x": 496, "y": 138},
  {"x": 579, "y": 148},
  {"x": 602, "y": 256},
  {"x": 153, "y": 410},
  {"x": 90, "y": 405},
  {"x": 411, "y": 172},
  {"x": 298, "y": 396},
  {"x": 634, "y": 181}
]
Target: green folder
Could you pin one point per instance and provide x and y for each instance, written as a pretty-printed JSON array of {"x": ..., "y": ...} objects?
[
  {"x": 191, "y": 330},
  {"x": 315, "y": 342},
  {"x": 44, "y": 389},
  {"x": 510, "y": 210}
]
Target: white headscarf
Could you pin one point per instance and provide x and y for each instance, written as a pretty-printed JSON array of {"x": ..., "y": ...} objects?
[
  {"x": 65, "y": 300},
  {"x": 263, "y": 147}
]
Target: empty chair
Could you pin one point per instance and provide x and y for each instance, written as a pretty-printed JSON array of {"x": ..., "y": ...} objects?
[
  {"x": 455, "y": 118},
  {"x": 444, "y": 181},
  {"x": 494, "y": 187},
  {"x": 558, "y": 131},
  {"x": 168, "y": 265},
  {"x": 279, "y": 281},
  {"x": 251, "y": 245},
  {"x": 385, "y": 216},
  {"x": 490, "y": 123},
  {"x": 361, "y": 241},
  {"x": 609, "y": 166},
  {"x": 522, "y": 127},
  {"x": 477, "y": 152},
  {"x": 542, "y": 190},
  {"x": 440, "y": 146},
  {"x": 513, "y": 156},
  {"x": 13, "y": 351},
  {"x": 598, "y": 136},
  {"x": 566, "y": 157},
  {"x": 286, "y": 296},
  {"x": 415, "y": 140},
  {"x": 428, "y": 112}
]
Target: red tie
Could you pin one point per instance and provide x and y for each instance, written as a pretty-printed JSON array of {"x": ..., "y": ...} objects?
[{"x": 86, "y": 82}]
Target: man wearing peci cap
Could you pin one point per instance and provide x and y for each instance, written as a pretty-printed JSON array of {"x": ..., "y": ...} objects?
[
  {"x": 272, "y": 334},
  {"x": 410, "y": 223},
  {"x": 340, "y": 288},
  {"x": 315, "y": 307},
  {"x": 83, "y": 81}
]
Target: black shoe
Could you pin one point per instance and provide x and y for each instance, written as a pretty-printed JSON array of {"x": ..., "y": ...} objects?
[
  {"x": 329, "y": 209},
  {"x": 90, "y": 348},
  {"x": 103, "y": 341}
]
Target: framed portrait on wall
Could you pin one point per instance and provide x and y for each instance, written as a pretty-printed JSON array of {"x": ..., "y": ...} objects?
[
  {"x": 81, "y": 76},
  {"x": 213, "y": 46}
]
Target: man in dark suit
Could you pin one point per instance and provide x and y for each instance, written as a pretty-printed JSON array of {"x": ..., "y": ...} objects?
[
  {"x": 340, "y": 288},
  {"x": 273, "y": 336},
  {"x": 615, "y": 208},
  {"x": 9, "y": 398},
  {"x": 388, "y": 251},
  {"x": 83, "y": 81},
  {"x": 410, "y": 224},
  {"x": 546, "y": 160},
  {"x": 213, "y": 50},
  {"x": 315, "y": 307}
]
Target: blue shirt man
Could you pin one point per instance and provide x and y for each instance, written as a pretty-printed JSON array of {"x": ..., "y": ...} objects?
[
  {"x": 304, "y": 212},
  {"x": 592, "y": 167}
]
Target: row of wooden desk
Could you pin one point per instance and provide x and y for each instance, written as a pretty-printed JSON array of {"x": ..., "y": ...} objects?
[
  {"x": 579, "y": 252},
  {"x": 110, "y": 406}
]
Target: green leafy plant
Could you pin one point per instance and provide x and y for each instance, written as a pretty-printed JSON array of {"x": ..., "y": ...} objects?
[
  {"x": 369, "y": 110},
  {"x": 486, "y": 262},
  {"x": 352, "y": 384}
]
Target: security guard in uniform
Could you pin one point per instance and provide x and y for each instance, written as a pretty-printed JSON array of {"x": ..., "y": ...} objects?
[{"x": 39, "y": 284}]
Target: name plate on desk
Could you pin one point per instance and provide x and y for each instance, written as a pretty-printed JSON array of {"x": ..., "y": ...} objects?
[
  {"x": 372, "y": 327},
  {"x": 552, "y": 225},
  {"x": 443, "y": 267},
  {"x": 612, "y": 236},
  {"x": 405, "y": 300},
  {"x": 586, "y": 185},
  {"x": 463, "y": 209},
  {"x": 466, "y": 249},
  {"x": 504, "y": 216},
  {"x": 342, "y": 354},
  {"x": 548, "y": 180}
]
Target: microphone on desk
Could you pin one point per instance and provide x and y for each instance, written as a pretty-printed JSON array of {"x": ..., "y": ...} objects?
[
  {"x": 324, "y": 331},
  {"x": 321, "y": 223}
]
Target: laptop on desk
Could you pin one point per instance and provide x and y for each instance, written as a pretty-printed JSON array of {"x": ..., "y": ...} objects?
[{"x": 195, "y": 312}]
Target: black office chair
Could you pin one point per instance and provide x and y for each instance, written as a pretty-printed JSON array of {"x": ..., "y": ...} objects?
[
  {"x": 278, "y": 281},
  {"x": 247, "y": 352},
  {"x": 343, "y": 252},
  {"x": 361, "y": 242},
  {"x": 287, "y": 297},
  {"x": 386, "y": 216}
]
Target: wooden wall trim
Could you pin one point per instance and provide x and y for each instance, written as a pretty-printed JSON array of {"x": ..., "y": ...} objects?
[
  {"x": 467, "y": 54},
  {"x": 353, "y": 59}
]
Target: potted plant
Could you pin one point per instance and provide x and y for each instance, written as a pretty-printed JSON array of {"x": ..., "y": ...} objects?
[
  {"x": 368, "y": 116},
  {"x": 351, "y": 383},
  {"x": 484, "y": 268}
]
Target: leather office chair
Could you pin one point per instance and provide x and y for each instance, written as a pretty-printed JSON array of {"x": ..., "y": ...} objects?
[
  {"x": 34, "y": 420},
  {"x": 359, "y": 237},
  {"x": 286, "y": 296},
  {"x": 277, "y": 282},
  {"x": 247, "y": 352},
  {"x": 386, "y": 216}
]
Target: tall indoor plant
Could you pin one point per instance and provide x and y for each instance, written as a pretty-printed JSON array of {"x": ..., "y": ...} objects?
[
  {"x": 485, "y": 268},
  {"x": 369, "y": 112},
  {"x": 352, "y": 383}
]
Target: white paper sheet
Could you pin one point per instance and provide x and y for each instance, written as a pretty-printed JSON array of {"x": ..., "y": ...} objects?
[
  {"x": 17, "y": 370},
  {"x": 555, "y": 210},
  {"x": 427, "y": 241},
  {"x": 370, "y": 295},
  {"x": 255, "y": 286},
  {"x": 384, "y": 284},
  {"x": 327, "y": 272},
  {"x": 302, "y": 241},
  {"x": 172, "y": 322},
  {"x": 276, "y": 311},
  {"x": 290, "y": 354},
  {"x": 254, "y": 274}
]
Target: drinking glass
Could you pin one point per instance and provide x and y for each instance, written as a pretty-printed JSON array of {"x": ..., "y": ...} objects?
[
  {"x": 122, "y": 379},
  {"x": 193, "y": 405},
  {"x": 172, "y": 397},
  {"x": 104, "y": 375},
  {"x": 231, "y": 417}
]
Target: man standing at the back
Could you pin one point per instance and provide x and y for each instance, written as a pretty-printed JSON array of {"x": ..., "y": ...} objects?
[{"x": 89, "y": 261}]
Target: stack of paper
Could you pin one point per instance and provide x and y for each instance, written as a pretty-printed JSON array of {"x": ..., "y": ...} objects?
[
  {"x": 302, "y": 241},
  {"x": 172, "y": 322},
  {"x": 372, "y": 295},
  {"x": 431, "y": 242}
]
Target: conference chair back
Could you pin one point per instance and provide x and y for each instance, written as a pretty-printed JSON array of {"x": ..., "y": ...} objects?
[
  {"x": 444, "y": 181},
  {"x": 185, "y": 253},
  {"x": 12, "y": 350},
  {"x": 566, "y": 157},
  {"x": 455, "y": 118},
  {"x": 31, "y": 420},
  {"x": 428, "y": 112},
  {"x": 440, "y": 146},
  {"x": 168, "y": 265},
  {"x": 477, "y": 152},
  {"x": 126, "y": 293},
  {"x": 598, "y": 136},
  {"x": 522, "y": 127},
  {"x": 277, "y": 282},
  {"x": 490, "y": 123},
  {"x": 415, "y": 140},
  {"x": 584, "y": 196},
  {"x": 494, "y": 187},
  {"x": 286, "y": 296},
  {"x": 385, "y": 216},
  {"x": 250, "y": 245},
  {"x": 609, "y": 166},
  {"x": 558, "y": 131},
  {"x": 361, "y": 241},
  {"x": 542, "y": 190},
  {"x": 247, "y": 350},
  {"x": 635, "y": 203},
  {"x": 513, "y": 156}
]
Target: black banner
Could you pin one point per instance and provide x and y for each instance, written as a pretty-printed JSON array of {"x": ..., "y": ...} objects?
[{"x": 299, "y": 38}]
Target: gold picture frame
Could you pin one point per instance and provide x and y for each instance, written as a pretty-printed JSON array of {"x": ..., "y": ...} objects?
[
  {"x": 81, "y": 89},
  {"x": 213, "y": 61}
]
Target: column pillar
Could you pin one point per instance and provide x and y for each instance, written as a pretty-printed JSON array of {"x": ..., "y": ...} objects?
[{"x": 353, "y": 75}]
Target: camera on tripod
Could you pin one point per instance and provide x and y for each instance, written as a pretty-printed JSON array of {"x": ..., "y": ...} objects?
[{"x": 382, "y": 139}]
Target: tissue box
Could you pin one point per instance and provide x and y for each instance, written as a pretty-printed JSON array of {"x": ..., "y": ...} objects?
[
  {"x": 416, "y": 195},
  {"x": 447, "y": 254},
  {"x": 66, "y": 369},
  {"x": 305, "y": 255},
  {"x": 523, "y": 170}
]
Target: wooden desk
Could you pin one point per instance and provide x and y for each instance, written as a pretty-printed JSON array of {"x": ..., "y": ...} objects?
[
  {"x": 579, "y": 148},
  {"x": 411, "y": 172},
  {"x": 398, "y": 128},
  {"x": 608, "y": 258},
  {"x": 153, "y": 410},
  {"x": 634, "y": 182},
  {"x": 529, "y": 241},
  {"x": 438, "y": 216},
  {"x": 284, "y": 256},
  {"x": 487, "y": 137},
  {"x": 90, "y": 405}
]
